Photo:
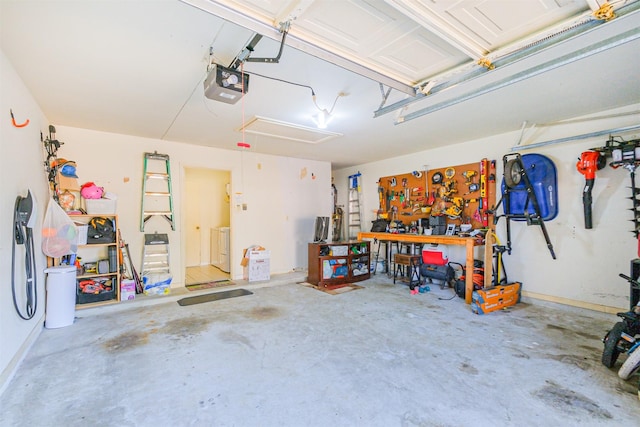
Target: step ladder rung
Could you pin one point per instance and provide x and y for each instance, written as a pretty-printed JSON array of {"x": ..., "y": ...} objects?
[
  {"x": 157, "y": 212},
  {"x": 155, "y": 265},
  {"x": 156, "y": 156},
  {"x": 157, "y": 193},
  {"x": 157, "y": 175},
  {"x": 146, "y": 270}
]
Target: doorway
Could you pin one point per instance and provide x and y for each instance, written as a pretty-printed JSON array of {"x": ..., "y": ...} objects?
[{"x": 207, "y": 208}]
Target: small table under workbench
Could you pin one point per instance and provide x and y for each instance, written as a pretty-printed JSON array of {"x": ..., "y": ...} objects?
[{"x": 468, "y": 242}]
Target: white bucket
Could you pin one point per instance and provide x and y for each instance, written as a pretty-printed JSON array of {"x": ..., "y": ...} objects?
[{"x": 61, "y": 296}]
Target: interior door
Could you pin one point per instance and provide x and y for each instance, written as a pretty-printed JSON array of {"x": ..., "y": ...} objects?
[
  {"x": 192, "y": 223},
  {"x": 206, "y": 206}
]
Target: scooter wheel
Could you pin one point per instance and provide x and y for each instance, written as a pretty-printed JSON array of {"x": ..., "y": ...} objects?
[
  {"x": 630, "y": 366},
  {"x": 512, "y": 173},
  {"x": 610, "y": 353}
]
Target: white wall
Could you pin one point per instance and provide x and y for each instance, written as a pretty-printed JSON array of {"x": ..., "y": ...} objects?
[
  {"x": 23, "y": 158},
  {"x": 281, "y": 202},
  {"x": 588, "y": 261}
]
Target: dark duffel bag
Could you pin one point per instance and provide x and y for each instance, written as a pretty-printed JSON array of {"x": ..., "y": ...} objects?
[{"x": 379, "y": 225}]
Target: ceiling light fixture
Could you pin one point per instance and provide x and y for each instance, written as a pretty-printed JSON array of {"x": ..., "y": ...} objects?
[{"x": 323, "y": 118}]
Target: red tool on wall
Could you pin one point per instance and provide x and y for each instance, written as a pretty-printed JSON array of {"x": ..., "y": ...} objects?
[
  {"x": 588, "y": 164},
  {"x": 484, "y": 194}
]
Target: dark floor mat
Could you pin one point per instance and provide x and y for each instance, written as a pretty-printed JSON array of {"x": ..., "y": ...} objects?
[{"x": 214, "y": 296}]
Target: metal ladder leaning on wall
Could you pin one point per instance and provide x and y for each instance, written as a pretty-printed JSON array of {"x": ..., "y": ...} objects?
[
  {"x": 354, "y": 206},
  {"x": 156, "y": 254},
  {"x": 157, "y": 200}
]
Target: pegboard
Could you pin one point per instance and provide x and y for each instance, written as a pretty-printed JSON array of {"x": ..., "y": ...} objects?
[
  {"x": 463, "y": 194},
  {"x": 403, "y": 197}
]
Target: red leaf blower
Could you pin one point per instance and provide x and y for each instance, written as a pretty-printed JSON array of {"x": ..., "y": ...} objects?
[{"x": 588, "y": 164}]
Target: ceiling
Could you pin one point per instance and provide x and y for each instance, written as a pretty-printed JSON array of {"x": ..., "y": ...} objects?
[{"x": 399, "y": 76}]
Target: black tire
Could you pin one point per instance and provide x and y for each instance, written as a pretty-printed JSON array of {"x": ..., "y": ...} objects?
[
  {"x": 512, "y": 173},
  {"x": 630, "y": 366},
  {"x": 436, "y": 178},
  {"x": 610, "y": 353}
]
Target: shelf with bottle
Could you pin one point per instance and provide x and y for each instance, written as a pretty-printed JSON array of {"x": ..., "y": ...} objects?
[{"x": 338, "y": 263}]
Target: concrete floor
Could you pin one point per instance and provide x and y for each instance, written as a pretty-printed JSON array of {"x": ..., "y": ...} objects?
[{"x": 290, "y": 355}]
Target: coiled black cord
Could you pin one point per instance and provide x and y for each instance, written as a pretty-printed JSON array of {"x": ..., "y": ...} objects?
[{"x": 31, "y": 285}]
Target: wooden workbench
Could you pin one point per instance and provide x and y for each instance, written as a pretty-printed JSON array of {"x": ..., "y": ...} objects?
[{"x": 468, "y": 242}]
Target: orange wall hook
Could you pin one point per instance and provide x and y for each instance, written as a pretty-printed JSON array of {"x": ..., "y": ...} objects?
[{"x": 13, "y": 120}]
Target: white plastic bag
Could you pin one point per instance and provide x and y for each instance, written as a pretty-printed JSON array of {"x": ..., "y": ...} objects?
[
  {"x": 59, "y": 233},
  {"x": 156, "y": 283}
]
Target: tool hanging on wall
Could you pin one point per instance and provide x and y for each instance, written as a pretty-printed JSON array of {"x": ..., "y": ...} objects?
[
  {"x": 156, "y": 200},
  {"x": 24, "y": 219},
  {"x": 588, "y": 163},
  {"x": 354, "y": 205},
  {"x": 338, "y": 214},
  {"x": 519, "y": 194},
  {"x": 625, "y": 154},
  {"x": 381, "y": 199},
  {"x": 18, "y": 125},
  {"x": 51, "y": 146}
]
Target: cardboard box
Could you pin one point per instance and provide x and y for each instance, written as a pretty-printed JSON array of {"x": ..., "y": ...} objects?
[
  {"x": 246, "y": 252},
  {"x": 100, "y": 206},
  {"x": 490, "y": 294},
  {"x": 127, "y": 290},
  {"x": 68, "y": 183},
  {"x": 258, "y": 266},
  {"x": 497, "y": 304}
]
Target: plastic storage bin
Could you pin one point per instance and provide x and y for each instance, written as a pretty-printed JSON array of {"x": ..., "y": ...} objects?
[{"x": 61, "y": 296}]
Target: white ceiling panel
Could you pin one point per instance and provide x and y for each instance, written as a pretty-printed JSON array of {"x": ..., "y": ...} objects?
[
  {"x": 415, "y": 55},
  {"x": 503, "y": 22},
  {"x": 478, "y": 27},
  {"x": 378, "y": 36},
  {"x": 349, "y": 24}
]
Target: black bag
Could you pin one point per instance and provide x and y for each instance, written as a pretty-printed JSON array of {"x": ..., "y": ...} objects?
[
  {"x": 100, "y": 230},
  {"x": 379, "y": 226}
]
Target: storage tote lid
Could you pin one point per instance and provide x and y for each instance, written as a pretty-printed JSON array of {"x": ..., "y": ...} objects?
[{"x": 60, "y": 269}]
